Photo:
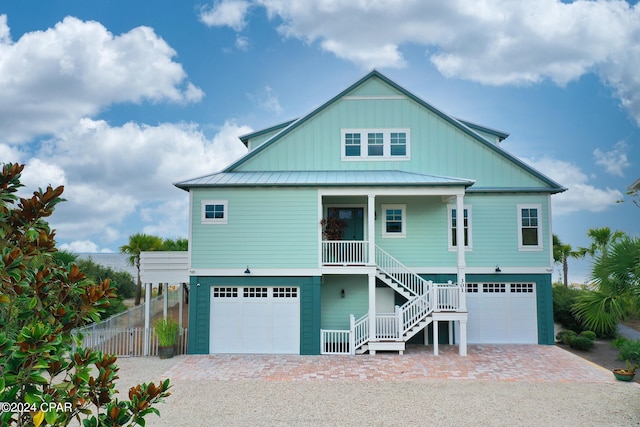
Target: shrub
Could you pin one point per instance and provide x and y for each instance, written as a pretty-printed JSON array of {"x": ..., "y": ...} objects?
[
  {"x": 563, "y": 300},
  {"x": 588, "y": 334},
  {"x": 629, "y": 350},
  {"x": 581, "y": 343},
  {"x": 565, "y": 336},
  {"x": 618, "y": 342}
]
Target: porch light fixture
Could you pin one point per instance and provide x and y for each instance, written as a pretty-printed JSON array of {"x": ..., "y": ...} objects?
[
  {"x": 247, "y": 271},
  {"x": 342, "y": 293},
  {"x": 498, "y": 269}
]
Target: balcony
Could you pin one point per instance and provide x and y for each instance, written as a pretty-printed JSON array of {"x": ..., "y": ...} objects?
[{"x": 345, "y": 252}]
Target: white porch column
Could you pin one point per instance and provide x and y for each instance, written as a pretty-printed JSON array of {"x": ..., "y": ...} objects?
[
  {"x": 372, "y": 309},
  {"x": 165, "y": 307},
  {"x": 147, "y": 318},
  {"x": 463, "y": 337},
  {"x": 181, "y": 296},
  {"x": 371, "y": 227},
  {"x": 435, "y": 337},
  {"x": 462, "y": 265}
]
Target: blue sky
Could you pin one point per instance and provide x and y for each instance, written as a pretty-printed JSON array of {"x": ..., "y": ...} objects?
[{"x": 117, "y": 100}]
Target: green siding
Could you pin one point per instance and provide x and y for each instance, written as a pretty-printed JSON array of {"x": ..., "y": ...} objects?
[
  {"x": 266, "y": 227},
  {"x": 494, "y": 230},
  {"x": 200, "y": 305},
  {"x": 544, "y": 298},
  {"x": 335, "y": 309},
  {"x": 436, "y": 145}
]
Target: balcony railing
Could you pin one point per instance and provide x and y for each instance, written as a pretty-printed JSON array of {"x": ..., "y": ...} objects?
[{"x": 345, "y": 252}]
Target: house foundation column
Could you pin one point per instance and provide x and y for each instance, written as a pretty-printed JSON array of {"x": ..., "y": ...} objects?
[
  {"x": 463, "y": 337},
  {"x": 435, "y": 337},
  {"x": 371, "y": 227},
  {"x": 372, "y": 309}
]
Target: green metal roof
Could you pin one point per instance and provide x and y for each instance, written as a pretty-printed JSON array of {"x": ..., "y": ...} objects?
[{"x": 322, "y": 178}]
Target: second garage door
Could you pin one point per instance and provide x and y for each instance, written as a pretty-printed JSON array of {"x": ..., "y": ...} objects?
[
  {"x": 502, "y": 313},
  {"x": 259, "y": 320}
]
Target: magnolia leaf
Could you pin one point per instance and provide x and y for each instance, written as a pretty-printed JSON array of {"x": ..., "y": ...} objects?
[{"x": 38, "y": 418}]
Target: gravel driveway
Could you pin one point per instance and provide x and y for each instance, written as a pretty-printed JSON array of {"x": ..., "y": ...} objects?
[{"x": 254, "y": 390}]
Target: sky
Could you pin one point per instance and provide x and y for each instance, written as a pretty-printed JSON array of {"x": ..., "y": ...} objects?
[{"x": 118, "y": 99}]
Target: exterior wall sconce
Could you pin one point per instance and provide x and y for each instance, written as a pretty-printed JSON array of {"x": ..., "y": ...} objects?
[
  {"x": 247, "y": 271},
  {"x": 498, "y": 269},
  {"x": 342, "y": 293}
]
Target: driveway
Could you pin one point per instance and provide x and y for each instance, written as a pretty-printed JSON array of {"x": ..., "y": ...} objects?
[{"x": 494, "y": 385}]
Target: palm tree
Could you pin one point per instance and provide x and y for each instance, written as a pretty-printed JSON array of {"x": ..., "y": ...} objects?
[
  {"x": 616, "y": 273},
  {"x": 137, "y": 243},
  {"x": 561, "y": 254},
  {"x": 179, "y": 244},
  {"x": 601, "y": 239}
]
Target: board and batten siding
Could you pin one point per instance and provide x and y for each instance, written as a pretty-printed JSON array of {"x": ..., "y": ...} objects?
[
  {"x": 494, "y": 230},
  {"x": 335, "y": 309},
  {"x": 436, "y": 145},
  {"x": 266, "y": 228}
]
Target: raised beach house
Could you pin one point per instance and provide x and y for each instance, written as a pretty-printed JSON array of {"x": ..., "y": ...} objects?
[{"x": 373, "y": 221}]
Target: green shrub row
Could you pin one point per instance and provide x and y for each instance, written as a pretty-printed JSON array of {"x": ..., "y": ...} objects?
[{"x": 583, "y": 341}]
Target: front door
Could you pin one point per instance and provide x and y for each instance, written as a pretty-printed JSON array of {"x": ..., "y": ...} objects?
[{"x": 354, "y": 217}]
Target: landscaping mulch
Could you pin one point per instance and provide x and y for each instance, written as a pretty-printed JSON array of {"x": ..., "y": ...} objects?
[{"x": 603, "y": 354}]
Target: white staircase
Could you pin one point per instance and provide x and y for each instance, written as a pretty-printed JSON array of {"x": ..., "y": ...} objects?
[{"x": 392, "y": 332}]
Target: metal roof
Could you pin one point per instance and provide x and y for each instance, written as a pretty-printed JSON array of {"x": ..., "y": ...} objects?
[{"x": 322, "y": 178}]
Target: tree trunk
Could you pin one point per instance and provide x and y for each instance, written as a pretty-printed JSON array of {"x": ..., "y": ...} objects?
[
  {"x": 139, "y": 287},
  {"x": 565, "y": 272}
]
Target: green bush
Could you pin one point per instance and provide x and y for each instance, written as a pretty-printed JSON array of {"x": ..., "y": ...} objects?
[
  {"x": 581, "y": 343},
  {"x": 565, "y": 337},
  {"x": 618, "y": 342},
  {"x": 588, "y": 334},
  {"x": 629, "y": 350},
  {"x": 563, "y": 300}
]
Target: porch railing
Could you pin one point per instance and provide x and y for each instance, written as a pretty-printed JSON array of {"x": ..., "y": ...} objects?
[
  {"x": 344, "y": 252},
  {"x": 450, "y": 297}
]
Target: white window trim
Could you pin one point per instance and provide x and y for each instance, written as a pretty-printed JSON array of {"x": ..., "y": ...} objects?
[
  {"x": 469, "y": 246},
  {"x": 205, "y": 220},
  {"x": 386, "y": 150},
  {"x": 385, "y": 234},
  {"x": 521, "y": 246}
]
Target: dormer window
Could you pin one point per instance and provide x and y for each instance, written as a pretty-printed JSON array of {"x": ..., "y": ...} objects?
[{"x": 381, "y": 144}]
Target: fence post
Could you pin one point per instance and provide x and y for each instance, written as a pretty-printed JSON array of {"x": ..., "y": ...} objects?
[
  {"x": 147, "y": 319},
  {"x": 352, "y": 334},
  {"x": 399, "y": 323}
]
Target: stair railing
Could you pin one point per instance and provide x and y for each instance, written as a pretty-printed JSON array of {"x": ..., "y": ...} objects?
[{"x": 400, "y": 273}]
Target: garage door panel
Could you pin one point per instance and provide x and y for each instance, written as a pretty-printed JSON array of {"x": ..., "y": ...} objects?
[
  {"x": 502, "y": 313},
  {"x": 255, "y": 320}
]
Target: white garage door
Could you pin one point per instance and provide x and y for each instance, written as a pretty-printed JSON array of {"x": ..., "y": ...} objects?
[
  {"x": 502, "y": 313},
  {"x": 255, "y": 320}
]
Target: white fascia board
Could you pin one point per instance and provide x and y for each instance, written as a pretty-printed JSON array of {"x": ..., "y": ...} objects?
[
  {"x": 392, "y": 191},
  {"x": 484, "y": 270}
]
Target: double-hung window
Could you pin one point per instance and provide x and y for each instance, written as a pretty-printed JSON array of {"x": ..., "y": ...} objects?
[
  {"x": 395, "y": 221},
  {"x": 454, "y": 222},
  {"x": 375, "y": 144},
  {"x": 529, "y": 227},
  {"x": 215, "y": 211}
]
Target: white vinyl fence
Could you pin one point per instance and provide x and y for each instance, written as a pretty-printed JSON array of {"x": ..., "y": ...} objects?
[{"x": 124, "y": 334}]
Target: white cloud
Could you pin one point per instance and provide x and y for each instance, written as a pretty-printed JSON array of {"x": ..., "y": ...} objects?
[
  {"x": 230, "y": 13},
  {"x": 614, "y": 161},
  {"x": 117, "y": 174},
  {"x": 80, "y": 246},
  {"x": 494, "y": 42},
  {"x": 580, "y": 195},
  {"x": 50, "y": 79},
  {"x": 268, "y": 101},
  {"x": 242, "y": 43}
]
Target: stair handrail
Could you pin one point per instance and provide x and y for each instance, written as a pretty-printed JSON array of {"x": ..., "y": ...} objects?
[
  {"x": 359, "y": 332},
  {"x": 416, "y": 309},
  {"x": 402, "y": 274}
]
